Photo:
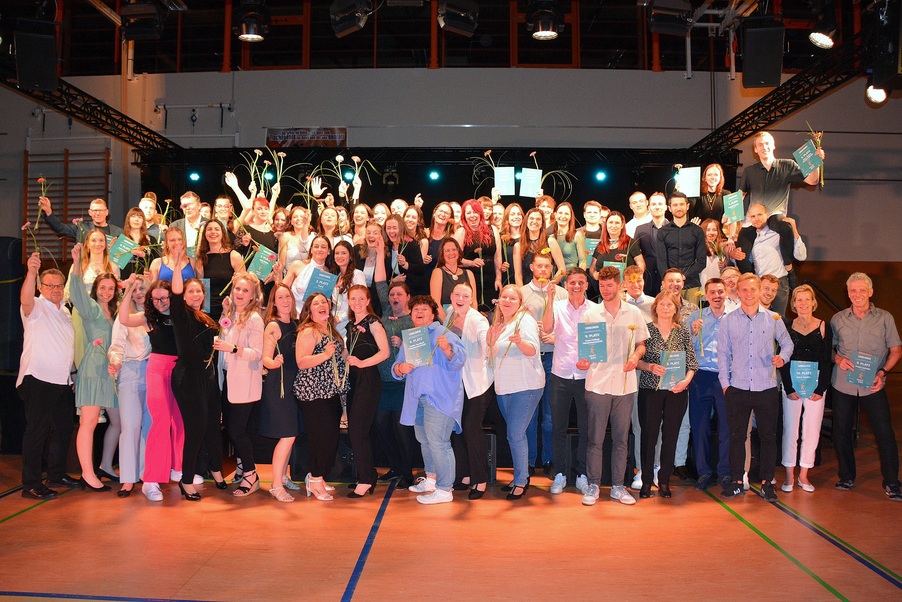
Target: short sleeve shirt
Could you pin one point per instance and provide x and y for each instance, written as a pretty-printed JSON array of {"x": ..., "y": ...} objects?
[{"x": 874, "y": 334}]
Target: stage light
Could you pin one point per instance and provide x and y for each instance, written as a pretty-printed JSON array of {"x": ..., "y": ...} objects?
[
  {"x": 600, "y": 176},
  {"x": 670, "y": 17},
  {"x": 348, "y": 16},
  {"x": 390, "y": 177},
  {"x": 825, "y": 29},
  {"x": 194, "y": 176},
  {"x": 545, "y": 20},
  {"x": 349, "y": 175},
  {"x": 458, "y": 16},
  {"x": 433, "y": 175},
  {"x": 518, "y": 175},
  {"x": 268, "y": 176},
  {"x": 253, "y": 21},
  {"x": 141, "y": 21},
  {"x": 875, "y": 96}
]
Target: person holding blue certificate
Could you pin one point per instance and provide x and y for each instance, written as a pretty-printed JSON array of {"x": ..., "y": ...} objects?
[
  {"x": 665, "y": 372},
  {"x": 867, "y": 347},
  {"x": 805, "y": 381}
]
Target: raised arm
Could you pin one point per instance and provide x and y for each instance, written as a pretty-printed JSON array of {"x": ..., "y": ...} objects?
[
  {"x": 26, "y": 294},
  {"x": 125, "y": 317},
  {"x": 232, "y": 182}
]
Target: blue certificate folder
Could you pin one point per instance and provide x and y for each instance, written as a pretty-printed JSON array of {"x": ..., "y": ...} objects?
[
  {"x": 806, "y": 157},
  {"x": 866, "y": 366},
  {"x": 804, "y": 377},
  {"x": 416, "y": 346},
  {"x": 732, "y": 207},
  {"x": 121, "y": 250},
  {"x": 261, "y": 264},
  {"x": 593, "y": 341},
  {"x": 675, "y": 364},
  {"x": 321, "y": 282}
]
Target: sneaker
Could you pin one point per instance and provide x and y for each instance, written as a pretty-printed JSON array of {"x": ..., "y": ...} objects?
[
  {"x": 725, "y": 481},
  {"x": 702, "y": 483},
  {"x": 745, "y": 482},
  {"x": 438, "y": 496},
  {"x": 768, "y": 492},
  {"x": 152, "y": 492},
  {"x": 893, "y": 492},
  {"x": 560, "y": 481},
  {"x": 845, "y": 485},
  {"x": 637, "y": 481},
  {"x": 786, "y": 487},
  {"x": 582, "y": 484},
  {"x": 175, "y": 475},
  {"x": 732, "y": 490},
  {"x": 623, "y": 496},
  {"x": 591, "y": 495},
  {"x": 289, "y": 484},
  {"x": 198, "y": 480},
  {"x": 423, "y": 485}
]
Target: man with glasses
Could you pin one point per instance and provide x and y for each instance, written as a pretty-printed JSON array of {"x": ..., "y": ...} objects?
[
  {"x": 193, "y": 222},
  {"x": 44, "y": 383},
  {"x": 97, "y": 212}
]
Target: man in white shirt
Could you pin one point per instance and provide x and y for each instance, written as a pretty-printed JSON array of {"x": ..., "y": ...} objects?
[
  {"x": 634, "y": 285},
  {"x": 639, "y": 207},
  {"x": 44, "y": 383},
  {"x": 567, "y": 382},
  {"x": 611, "y": 386}
]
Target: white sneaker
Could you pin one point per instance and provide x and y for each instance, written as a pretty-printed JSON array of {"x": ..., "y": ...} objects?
[
  {"x": 198, "y": 480},
  {"x": 152, "y": 492},
  {"x": 175, "y": 475},
  {"x": 582, "y": 484},
  {"x": 637, "y": 481},
  {"x": 423, "y": 485},
  {"x": 745, "y": 481},
  {"x": 623, "y": 496},
  {"x": 560, "y": 481},
  {"x": 438, "y": 496},
  {"x": 591, "y": 495}
]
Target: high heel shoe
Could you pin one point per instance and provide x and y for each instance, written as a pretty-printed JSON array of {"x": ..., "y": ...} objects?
[
  {"x": 253, "y": 484},
  {"x": 239, "y": 472},
  {"x": 355, "y": 495},
  {"x": 326, "y": 486},
  {"x": 191, "y": 497},
  {"x": 312, "y": 483},
  {"x": 516, "y": 496},
  {"x": 85, "y": 485},
  {"x": 102, "y": 474},
  {"x": 123, "y": 492},
  {"x": 221, "y": 485},
  {"x": 664, "y": 490},
  {"x": 476, "y": 494}
]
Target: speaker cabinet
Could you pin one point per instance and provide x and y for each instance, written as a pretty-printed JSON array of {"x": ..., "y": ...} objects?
[
  {"x": 762, "y": 53},
  {"x": 36, "y": 61}
]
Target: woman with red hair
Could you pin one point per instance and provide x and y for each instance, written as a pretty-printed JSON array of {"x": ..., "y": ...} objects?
[
  {"x": 481, "y": 246},
  {"x": 615, "y": 247}
]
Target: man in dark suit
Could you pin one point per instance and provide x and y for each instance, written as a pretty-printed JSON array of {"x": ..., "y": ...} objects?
[
  {"x": 98, "y": 213},
  {"x": 647, "y": 238}
]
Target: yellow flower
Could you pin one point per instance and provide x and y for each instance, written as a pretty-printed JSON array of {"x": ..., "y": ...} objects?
[{"x": 545, "y": 251}]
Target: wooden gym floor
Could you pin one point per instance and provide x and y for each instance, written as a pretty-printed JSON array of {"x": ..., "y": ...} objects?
[{"x": 95, "y": 546}]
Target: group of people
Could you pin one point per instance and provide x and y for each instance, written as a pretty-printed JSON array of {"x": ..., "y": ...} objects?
[{"x": 372, "y": 320}]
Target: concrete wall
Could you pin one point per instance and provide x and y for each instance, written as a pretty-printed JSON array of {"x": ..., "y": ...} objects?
[{"x": 484, "y": 108}]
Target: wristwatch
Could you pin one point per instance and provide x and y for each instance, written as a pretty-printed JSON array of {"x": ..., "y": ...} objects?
[
  {"x": 879, "y": 370},
  {"x": 234, "y": 348}
]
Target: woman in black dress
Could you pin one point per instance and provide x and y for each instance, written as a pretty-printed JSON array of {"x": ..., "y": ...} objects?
[
  {"x": 446, "y": 275},
  {"x": 710, "y": 204},
  {"x": 481, "y": 246},
  {"x": 440, "y": 228},
  {"x": 280, "y": 415},
  {"x": 511, "y": 226},
  {"x": 406, "y": 257},
  {"x": 367, "y": 346},
  {"x": 534, "y": 239},
  {"x": 217, "y": 261},
  {"x": 193, "y": 377}
]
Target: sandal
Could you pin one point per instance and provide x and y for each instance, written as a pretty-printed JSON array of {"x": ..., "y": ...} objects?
[
  {"x": 289, "y": 484},
  {"x": 253, "y": 484},
  {"x": 239, "y": 472},
  {"x": 280, "y": 494}
]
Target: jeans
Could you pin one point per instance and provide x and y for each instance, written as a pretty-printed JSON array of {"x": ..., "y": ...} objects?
[
  {"x": 811, "y": 430},
  {"x": 766, "y": 405},
  {"x": 517, "y": 408},
  {"x": 546, "y": 420},
  {"x": 705, "y": 394},
  {"x": 565, "y": 391},
  {"x": 433, "y": 430},
  {"x": 682, "y": 444},
  {"x": 877, "y": 407},
  {"x": 618, "y": 408},
  {"x": 132, "y": 405}
]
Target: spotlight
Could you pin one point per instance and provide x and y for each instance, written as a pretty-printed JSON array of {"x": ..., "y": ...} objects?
[
  {"x": 141, "y": 21},
  {"x": 545, "y": 20},
  {"x": 670, "y": 17},
  {"x": 348, "y": 16},
  {"x": 600, "y": 176},
  {"x": 433, "y": 175},
  {"x": 194, "y": 176},
  {"x": 825, "y": 30},
  {"x": 349, "y": 175},
  {"x": 458, "y": 16},
  {"x": 390, "y": 177},
  {"x": 252, "y": 19},
  {"x": 518, "y": 175},
  {"x": 875, "y": 96},
  {"x": 268, "y": 176}
]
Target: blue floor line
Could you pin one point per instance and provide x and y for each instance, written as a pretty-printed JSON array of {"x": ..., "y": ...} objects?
[{"x": 365, "y": 552}]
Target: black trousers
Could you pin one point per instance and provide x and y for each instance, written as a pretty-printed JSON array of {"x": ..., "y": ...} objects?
[
  {"x": 397, "y": 440},
  {"x": 363, "y": 400},
  {"x": 767, "y": 407},
  {"x": 321, "y": 417},
  {"x": 48, "y": 422},
  {"x": 471, "y": 452},
  {"x": 239, "y": 416},
  {"x": 191, "y": 390},
  {"x": 664, "y": 411},
  {"x": 876, "y": 405}
]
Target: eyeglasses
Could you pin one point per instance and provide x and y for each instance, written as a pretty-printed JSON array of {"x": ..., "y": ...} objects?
[
  {"x": 98, "y": 210},
  {"x": 160, "y": 299},
  {"x": 54, "y": 287}
]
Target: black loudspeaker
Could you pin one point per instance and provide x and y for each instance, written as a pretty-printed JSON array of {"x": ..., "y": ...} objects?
[
  {"x": 36, "y": 61},
  {"x": 762, "y": 53}
]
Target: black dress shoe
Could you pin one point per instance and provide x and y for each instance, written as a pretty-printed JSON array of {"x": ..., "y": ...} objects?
[
  {"x": 460, "y": 486},
  {"x": 508, "y": 488},
  {"x": 125, "y": 492},
  {"x": 391, "y": 474},
  {"x": 680, "y": 472},
  {"x": 475, "y": 494},
  {"x": 221, "y": 485},
  {"x": 65, "y": 481},
  {"x": 645, "y": 491},
  {"x": 191, "y": 497},
  {"x": 102, "y": 474},
  {"x": 404, "y": 483},
  {"x": 85, "y": 486},
  {"x": 41, "y": 492},
  {"x": 664, "y": 490}
]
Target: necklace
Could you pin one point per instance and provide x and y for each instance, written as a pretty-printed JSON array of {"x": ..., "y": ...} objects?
[{"x": 454, "y": 275}]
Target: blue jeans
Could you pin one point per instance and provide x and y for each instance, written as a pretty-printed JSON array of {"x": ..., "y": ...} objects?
[
  {"x": 533, "y": 428},
  {"x": 132, "y": 408},
  {"x": 705, "y": 395},
  {"x": 517, "y": 409},
  {"x": 433, "y": 430}
]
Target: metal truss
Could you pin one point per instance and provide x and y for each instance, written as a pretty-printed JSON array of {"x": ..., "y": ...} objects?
[{"x": 834, "y": 69}]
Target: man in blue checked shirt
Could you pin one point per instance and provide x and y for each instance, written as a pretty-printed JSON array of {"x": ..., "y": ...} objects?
[{"x": 748, "y": 343}]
